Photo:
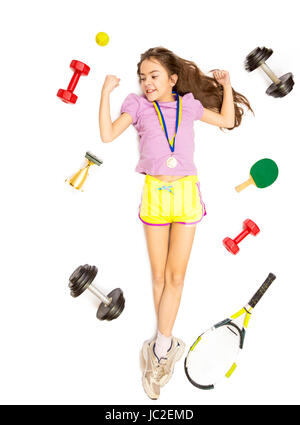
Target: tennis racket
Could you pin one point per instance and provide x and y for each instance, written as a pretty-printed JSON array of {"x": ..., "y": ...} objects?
[
  {"x": 213, "y": 355},
  {"x": 262, "y": 174}
]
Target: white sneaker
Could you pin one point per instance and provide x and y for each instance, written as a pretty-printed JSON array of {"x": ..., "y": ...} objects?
[
  {"x": 173, "y": 355},
  {"x": 150, "y": 366},
  {"x": 163, "y": 368}
]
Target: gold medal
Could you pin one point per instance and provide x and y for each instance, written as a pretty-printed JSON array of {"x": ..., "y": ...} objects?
[{"x": 171, "y": 162}]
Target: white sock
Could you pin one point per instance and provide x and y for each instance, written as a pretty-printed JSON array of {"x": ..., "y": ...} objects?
[{"x": 162, "y": 344}]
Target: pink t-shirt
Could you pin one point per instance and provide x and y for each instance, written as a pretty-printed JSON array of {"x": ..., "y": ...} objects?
[{"x": 153, "y": 146}]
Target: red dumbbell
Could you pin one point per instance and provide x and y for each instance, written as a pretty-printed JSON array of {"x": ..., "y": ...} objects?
[
  {"x": 248, "y": 227},
  {"x": 79, "y": 69}
]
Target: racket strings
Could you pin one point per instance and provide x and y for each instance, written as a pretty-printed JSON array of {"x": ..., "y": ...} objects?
[{"x": 214, "y": 356}]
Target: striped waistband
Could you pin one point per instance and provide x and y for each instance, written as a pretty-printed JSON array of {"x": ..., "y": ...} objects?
[{"x": 151, "y": 179}]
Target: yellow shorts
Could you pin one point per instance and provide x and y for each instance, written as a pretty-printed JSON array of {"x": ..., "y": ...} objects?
[{"x": 164, "y": 203}]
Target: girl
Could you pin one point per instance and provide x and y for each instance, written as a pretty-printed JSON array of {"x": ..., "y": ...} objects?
[{"x": 174, "y": 94}]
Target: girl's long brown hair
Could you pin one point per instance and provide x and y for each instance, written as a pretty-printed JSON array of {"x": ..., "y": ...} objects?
[{"x": 192, "y": 80}]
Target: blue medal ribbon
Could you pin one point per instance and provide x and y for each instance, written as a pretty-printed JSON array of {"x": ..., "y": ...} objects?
[{"x": 171, "y": 143}]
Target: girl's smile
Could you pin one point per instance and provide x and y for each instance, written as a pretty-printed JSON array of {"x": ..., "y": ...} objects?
[{"x": 156, "y": 82}]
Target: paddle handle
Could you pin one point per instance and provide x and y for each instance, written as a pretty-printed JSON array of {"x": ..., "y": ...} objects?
[{"x": 245, "y": 184}]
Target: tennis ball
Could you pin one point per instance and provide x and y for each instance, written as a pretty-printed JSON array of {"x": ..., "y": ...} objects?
[{"x": 102, "y": 38}]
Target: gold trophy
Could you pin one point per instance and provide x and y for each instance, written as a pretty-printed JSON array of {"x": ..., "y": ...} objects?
[{"x": 78, "y": 179}]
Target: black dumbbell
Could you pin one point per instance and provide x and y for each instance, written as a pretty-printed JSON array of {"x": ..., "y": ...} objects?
[
  {"x": 111, "y": 305},
  {"x": 281, "y": 86}
]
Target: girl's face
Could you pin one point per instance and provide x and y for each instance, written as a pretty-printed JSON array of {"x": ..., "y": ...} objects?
[{"x": 155, "y": 81}]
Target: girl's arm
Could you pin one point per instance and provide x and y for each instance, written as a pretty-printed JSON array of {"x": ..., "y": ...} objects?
[
  {"x": 226, "y": 118},
  {"x": 110, "y": 130}
]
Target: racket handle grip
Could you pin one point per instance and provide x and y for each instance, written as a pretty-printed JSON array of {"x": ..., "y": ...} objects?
[
  {"x": 254, "y": 300},
  {"x": 244, "y": 185}
]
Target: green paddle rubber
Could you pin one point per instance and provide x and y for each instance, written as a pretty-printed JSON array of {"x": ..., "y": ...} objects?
[{"x": 262, "y": 174}]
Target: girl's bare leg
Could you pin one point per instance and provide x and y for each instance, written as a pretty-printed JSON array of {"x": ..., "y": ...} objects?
[
  {"x": 157, "y": 238},
  {"x": 180, "y": 246}
]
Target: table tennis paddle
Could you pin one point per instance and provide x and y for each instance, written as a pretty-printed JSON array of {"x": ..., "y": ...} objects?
[{"x": 262, "y": 174}]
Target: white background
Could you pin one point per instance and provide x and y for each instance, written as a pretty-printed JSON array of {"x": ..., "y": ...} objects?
[{"x": 53, "y": 349}]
